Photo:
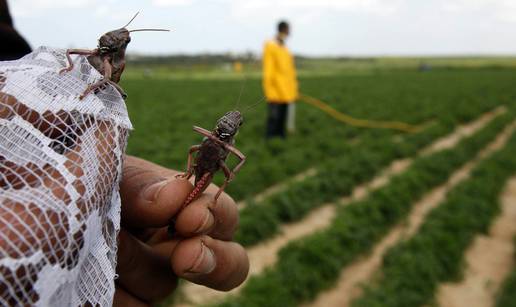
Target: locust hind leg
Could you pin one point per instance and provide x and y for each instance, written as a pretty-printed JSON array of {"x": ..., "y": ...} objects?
[
  {"x": 100, "y": 84},
  {"x": 93, "y": 87},
  {"x": 119, "y": 89},
  {"x": 229, "y": 176},
  {"x": 108, "y": 69}
]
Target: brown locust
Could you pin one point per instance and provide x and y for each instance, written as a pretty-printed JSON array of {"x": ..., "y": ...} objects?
[
  {"x": 211, "y": 156},
  {"x": 108, "y": 58}
]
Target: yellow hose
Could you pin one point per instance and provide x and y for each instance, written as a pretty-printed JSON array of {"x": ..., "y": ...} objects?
[{"x": 395, "y": 125}]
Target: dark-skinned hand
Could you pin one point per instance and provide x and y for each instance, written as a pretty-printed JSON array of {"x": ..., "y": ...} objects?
[{"x": 149, "y": 260}]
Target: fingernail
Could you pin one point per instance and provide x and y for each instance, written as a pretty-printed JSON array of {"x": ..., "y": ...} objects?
[
  {"x": 207, "y": 223},
  {"x": 151, "y": 192},
  {"x": 205, "y": 263}
]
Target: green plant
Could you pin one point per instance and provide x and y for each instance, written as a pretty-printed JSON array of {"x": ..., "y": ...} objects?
[
  {"x": 308, "y": 265},
  {"x": 413, "y": 269}
]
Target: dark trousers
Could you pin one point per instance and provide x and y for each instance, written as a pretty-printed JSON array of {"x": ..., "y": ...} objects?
[{"x": 277, "y": 115}]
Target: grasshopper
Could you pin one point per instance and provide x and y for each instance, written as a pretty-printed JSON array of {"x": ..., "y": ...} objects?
[{"x": 108, "y": 58}]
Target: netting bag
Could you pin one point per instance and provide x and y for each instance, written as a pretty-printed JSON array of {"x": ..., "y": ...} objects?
[{"x": 60, "y": 167}]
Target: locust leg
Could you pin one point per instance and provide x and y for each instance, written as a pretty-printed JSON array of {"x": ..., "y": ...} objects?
[
  {"x": 107, "y": 74},
  {"x": 108, "y": 69},
  {"x": 209, "y": 135},
  {"x": 229, "y": 174},
  {"x": 69, "y": 58},
  {"x": 239, "y": 155},
  {"x": 189, "y": 166},
  {"x": 205, "y": 132},
  {"x": 232, "y": 149},
  {"x": 118, "y": 88}
]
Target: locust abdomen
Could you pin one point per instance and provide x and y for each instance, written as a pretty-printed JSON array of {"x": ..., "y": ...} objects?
[{"x": 199, "y": 187}]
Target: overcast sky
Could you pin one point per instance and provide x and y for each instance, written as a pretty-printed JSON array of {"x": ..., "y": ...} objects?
[{"x": 320, "y": 27}]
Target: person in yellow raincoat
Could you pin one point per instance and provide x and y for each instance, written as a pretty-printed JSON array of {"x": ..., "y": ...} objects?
[{"x": 279, "y": 83}]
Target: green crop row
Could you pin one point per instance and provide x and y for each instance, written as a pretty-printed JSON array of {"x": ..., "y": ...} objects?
[
  {"x": 413, "y": 269},
  {"x": 336, "y": 179},
  {"x": 507, "y": 296},
  {"x": 164, "y": 111},
  {"x": 311, "y": 264}
]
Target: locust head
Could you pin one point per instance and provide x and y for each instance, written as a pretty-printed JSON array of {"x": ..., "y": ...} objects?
[
  {"x": 115, "y": 41},
  {"x": 228, "y": 125}
]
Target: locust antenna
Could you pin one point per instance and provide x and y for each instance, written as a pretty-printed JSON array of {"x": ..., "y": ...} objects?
[
  {"x": 131, "y": 20},
  {"x": 254, "y": 104},
  {"x": 161, "y": 30},
  {"x": 240, "y": 95}
]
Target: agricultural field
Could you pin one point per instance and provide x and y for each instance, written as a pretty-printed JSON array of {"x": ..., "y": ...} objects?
[{"x": 337, "y": 215}]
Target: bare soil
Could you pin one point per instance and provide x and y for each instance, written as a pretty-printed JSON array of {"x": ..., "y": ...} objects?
[
  {"x": 311, "y": 172},
  {"x": 488, "y": 260},
  {"x": 464, "y": 131}
]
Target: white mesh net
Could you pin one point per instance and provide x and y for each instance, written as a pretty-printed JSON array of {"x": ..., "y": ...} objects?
[{"x": 60, "y": 165}]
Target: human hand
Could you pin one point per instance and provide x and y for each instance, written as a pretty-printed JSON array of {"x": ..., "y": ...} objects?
[
  {"x": 37, "y": 212},
  {"x": 149, "y": 261}
]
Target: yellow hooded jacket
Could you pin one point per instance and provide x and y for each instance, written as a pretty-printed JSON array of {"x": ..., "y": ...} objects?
[{"x": 279, "y": 73}]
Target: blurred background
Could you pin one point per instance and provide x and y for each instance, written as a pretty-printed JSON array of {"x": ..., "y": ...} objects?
[{"x": 344, "y": 211}]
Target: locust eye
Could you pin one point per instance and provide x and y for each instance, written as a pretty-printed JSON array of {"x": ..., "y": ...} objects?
[{"x": 105, "y": 49}]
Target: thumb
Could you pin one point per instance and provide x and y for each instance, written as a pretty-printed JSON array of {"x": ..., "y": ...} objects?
[{"x": 151, "y": 195}]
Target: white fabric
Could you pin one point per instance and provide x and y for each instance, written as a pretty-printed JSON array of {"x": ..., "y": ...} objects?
[{"x": 60, "y": 166}]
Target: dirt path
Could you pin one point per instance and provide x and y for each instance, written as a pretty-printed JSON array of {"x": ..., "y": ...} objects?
[
  {"x": 311, "y": 172},
  {"x": 264, "y": 255},
  {"x": 465, "y": 131},
  {"x": 360, "y": 272},
  {"x": 488, "y": 260}
]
